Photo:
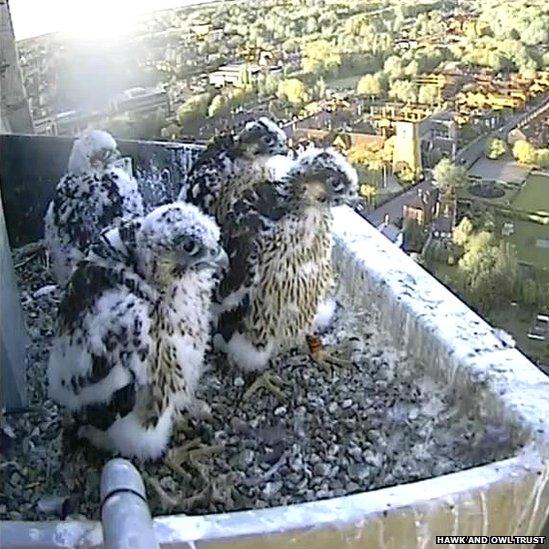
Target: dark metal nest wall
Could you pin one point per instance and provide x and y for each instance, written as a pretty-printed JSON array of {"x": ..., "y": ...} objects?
[{"x": 31, "y": 166}]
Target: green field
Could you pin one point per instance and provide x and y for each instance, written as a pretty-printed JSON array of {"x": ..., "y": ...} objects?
[
  {"x": 524, "y": 239},
  {"x": 534, "y": 196}
]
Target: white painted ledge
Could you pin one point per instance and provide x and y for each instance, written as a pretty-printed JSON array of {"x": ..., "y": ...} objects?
[{"x": 455, "y": 346}]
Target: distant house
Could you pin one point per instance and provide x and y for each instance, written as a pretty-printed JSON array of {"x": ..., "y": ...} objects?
[
  {"x": 235, "y": 74},
  {"x": 201, "y": 28},
  {"x": 227, "y": 75},
  {"x": 405, "y": 44},
  {"x": 422, "y": 208},
  {"x": 341, "y": 139},
  {"x": 347, "y": 140},
  {"x": 445, "y": 214},
  {"x": 140, "y": 99},
  {"x": 217, "y": 34},
  {"x": 434, "y": 209}
]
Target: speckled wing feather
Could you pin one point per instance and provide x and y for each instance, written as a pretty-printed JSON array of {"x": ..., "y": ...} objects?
[
  {"x": 253, "y": 215},
  {"x": 208, "y": 174},
  {"x": 104, "y": 323},
  {"x": 82, "y": 207}
]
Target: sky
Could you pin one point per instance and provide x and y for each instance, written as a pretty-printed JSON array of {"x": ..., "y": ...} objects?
[{"x": 89, "y": 18}]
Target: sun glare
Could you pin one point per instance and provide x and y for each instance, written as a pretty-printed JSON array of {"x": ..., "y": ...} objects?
[{"x": 102, "y": 20}]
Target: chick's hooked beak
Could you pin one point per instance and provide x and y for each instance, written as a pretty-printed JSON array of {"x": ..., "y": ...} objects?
[
  {"x": 348, "y": 196},
  {"x": 217, "y": 258},
  {"x": 104, "y": 157}
]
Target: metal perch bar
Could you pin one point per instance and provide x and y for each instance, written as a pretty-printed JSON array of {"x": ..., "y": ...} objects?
[{"x": 125, "y": 514}]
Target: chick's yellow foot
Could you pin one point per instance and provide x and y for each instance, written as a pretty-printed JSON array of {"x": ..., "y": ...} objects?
[
  {"x": 268, "y": 381},
  {"x": 324, "y": 359},
  {"x": 190, "y": 453},
  {"x": 169, "y": 502}
]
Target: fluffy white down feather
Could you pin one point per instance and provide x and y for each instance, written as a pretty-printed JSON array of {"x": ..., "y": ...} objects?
[
  {"x": 87, "y": 199},
  {"x": 85, "y": 147},
  {"x": 244, "y": 353},
  {"x": 325, "y": 315},
  {"x": 125, "y": 326}
]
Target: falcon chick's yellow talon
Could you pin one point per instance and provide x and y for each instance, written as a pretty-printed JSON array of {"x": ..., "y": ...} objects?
[
  {"x": 328, "y": 362},
  {"x": 268, "y": 381},
  {"x": 321, "y": 357},
  {"x": 190, "y": 452}
]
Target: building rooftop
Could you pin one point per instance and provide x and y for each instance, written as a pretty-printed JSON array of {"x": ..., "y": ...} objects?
[{"x": 392, "y": 232}]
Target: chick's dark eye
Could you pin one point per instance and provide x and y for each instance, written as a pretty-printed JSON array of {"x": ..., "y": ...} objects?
[{"x": 190, "y": 246}]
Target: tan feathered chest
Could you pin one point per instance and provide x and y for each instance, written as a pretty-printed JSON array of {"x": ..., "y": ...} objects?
[{"x": 294, "y": 275}]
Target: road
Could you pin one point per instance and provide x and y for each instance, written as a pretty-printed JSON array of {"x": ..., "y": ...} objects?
[{"x": 466, "y": 156}]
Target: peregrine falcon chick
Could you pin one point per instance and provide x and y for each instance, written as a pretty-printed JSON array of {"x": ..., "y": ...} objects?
[
  {"x": 232, "y": 164},
  {"x": 278, "y": 238},
  {"x": 133, "y": 327},
  {"x": 92, "y": 196}
]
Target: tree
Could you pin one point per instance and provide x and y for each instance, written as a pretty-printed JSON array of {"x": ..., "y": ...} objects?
[
  {"x": 542, "y": 159},
  {"x": 495, "y": 61},
  {"x": 462, "y": 232},
  {"x": 488, "y": 270},
  {"x": 293, "y": 90},
  {"x": 393, "y": 67},
  {"x": 217, "y": 106},
  {"x": 363, "y": 156},
  {"x": 320, "y": 56},
  {"x": 527, "y": 72},
  {"x": 369, "y": 84},
  {"x": 403, "y": 90},
  {"x": 267, "y": 85},
  {"x": 525, "y": 152},
  {"x": 505, "y": 272},
  {"x": 245, "y": 77},
  {"x": 311, "y": 25},
  {"x": 412, "y": 69},
  {"x": 428, "y": 94},
  {"x": 446, "y": 175},
  {"x": 368, "y": 192},
  {"x": 193, "y": 109},
  {"x": 537, "y": 32},
  {"x": 529, "y": 292},
  {"x": 494, "y": 148},
  {"x": 236, "y": 97}
]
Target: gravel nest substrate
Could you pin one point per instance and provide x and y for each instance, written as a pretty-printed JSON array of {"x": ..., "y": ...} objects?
[{"x": 378, "y": 423}]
